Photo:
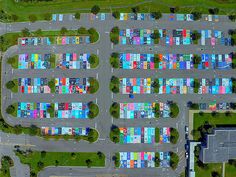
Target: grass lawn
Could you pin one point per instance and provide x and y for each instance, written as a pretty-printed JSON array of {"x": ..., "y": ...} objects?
[
  {"x": 23, "y": 10},
  {"x": 174, "y": 110},
  {"x": 115, "y": 84},
  {"x": 11, "y": 39},
  {"x": 93, "y": 60},
  {"x": 115, "y": 135},
  {"x": 93, "y": 110},
  {"x": 230, "y": 170},
  {"x": 60, "y": 159},
  {"x": 117, "y": 160},
  {"x": 207, "y": 173}
]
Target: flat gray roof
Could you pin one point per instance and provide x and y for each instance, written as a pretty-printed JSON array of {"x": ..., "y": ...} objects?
[{"x": 220, "y": 146}]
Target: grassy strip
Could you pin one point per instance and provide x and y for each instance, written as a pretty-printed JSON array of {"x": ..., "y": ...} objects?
[
  {"x": 39, "y": 160},
  {"x": 156, "y": 85},
  {"x": 52, "y": 61},
  {"x": 114, "y": 35},
  {"x": 157, "y": 159},
  {"x": 94, "y": 85},
  {"x": 51, "y": 110},
  {"x": 10, "y": 39},
  {"x": 115, "y": 110},
  {"x": 23, "y": 9},
  {"x": 51, "y": 85},
  {"x": 157, "y": 135},
  {"x": 6, "y": 163},
  {"x": 204, "y": 122},
  {"x": 156, "y": 110}
]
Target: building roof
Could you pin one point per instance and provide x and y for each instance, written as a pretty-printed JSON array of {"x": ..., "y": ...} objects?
[{"x": 220, "y": 146}]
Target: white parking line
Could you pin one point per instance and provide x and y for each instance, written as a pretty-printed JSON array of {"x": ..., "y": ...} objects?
[
  {"x": 96, "y": 100},
  {"x": 97, "y": 51},
  {"x": 177, "y": 125},
  {"x": 112, "y": 95},
  {"x": 111, "y": 45},
  {"x": 11, "y": 71},
  {"x": 95, "y": 125},
  {"x": 97, "y": 76},
  {"x": 112, "y": 70},
  {"x": 112, "y": 120},
  {"x": 107, "y": 32},
  {"x": 11, "y": 95}
]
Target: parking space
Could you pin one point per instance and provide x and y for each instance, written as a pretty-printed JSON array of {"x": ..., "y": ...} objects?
[
  {"x": 136, "y": 135},
  {"x": 143, "y": 110},
  {"x": 65, "y": 131}
]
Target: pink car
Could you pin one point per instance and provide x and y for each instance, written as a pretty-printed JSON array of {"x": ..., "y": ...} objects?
[{"x": 213, "y": 41}]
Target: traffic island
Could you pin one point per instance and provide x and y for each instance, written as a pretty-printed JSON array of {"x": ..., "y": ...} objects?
[
  {"x": 157, "y": 135},
  {"x": 115, "y": 134},
  {"x": 94, "y": 85},
  {"x": 115, "y": 110},
  {"x": 157, "y": 159},
  {"x": 156, "y": 110},
  {"x": 93, "y": 61},
  {"x": 155, "y": 85},
  {"x": 12, "y": 85},
  {"x": 37, "y": 160},
  {"x": 12, "y": 109},
  {"x": 114, "y": 35},
  {"x": 93, "y": 110},
  {"x": 6, "y": 164},
  {"x": 114, "y": 60},
  {"x": 174, "y": 160},
  {"x": 196, "y": 85},
  {"x": 13, "y": 61},
  {"x": 116, "y": 159},
  {"x": 114, "y": 84},
  {"x": 174, "y": 135},
  {"x": 51, "y": 85},
  {"x": 174, "y": 110}
]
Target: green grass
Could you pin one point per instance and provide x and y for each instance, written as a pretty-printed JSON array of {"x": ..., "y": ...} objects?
[
  {"x": 63, "y": 158},
  {"x": 52, "y": 85},
  {"x": 93, "y": 110},
  {"x": 156, "y": 110},
  {"x": 11, "y": 39},
  {"x": 157, "y": 135},
  {"x": 207, "y": 172},
  {"x": 114, "y": 84},
  {"x": 115, "y": 62},
  {"x": 230, "y": 170},
  {"x": 23, "y": 10},
  {"x": 115, "y": 136},
  {"x": 219, "y": 120}
]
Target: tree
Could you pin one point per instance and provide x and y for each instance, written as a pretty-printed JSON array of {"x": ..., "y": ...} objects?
[
  {"x": 174, "y": 9},
  {"x": 157, "y": 15},
  {"x": 10, "y": 109},
  {"x": 25, "y": 32},
  {"x": 215, "y": 174},
  {"x": 14, "y": 17},
  {"x": 99, "y": 154},
  {"x": 38, "y": 32},
  {"x": 10, "y": 85},
  {"x": 73, "y": 155},
  {"x": 32, "y": 18},
  {"x": 47, "y": 16},
  {"x": 196, "y": 15},
  {"x": 33, "y": 130},
  {"x": 213, "y": 11},
  {"x": 88, "y": 162},
  {"x": 196, "y": 35},
  {"x": 116, "y": 14},
  {"x": 95, "y": 9},
  {"x": 63, "y": 30},
  {"x": 197, "y": 59},
  {"x": 92, "y": 59},
  {"x": 232, "y": 17},
  {"x": 56, "y": 163},
  {"x": 40, "y": 164},
  {"x": 43, "y": 154},
  {"x": 18, "y": 129},
  {"x": 82, "y": 30},
  {"x": 77, "y": 15},
  {"x": 135, "y": 9}
]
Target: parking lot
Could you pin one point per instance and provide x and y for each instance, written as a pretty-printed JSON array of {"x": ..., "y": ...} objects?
[{"x": 137, "y": 71}]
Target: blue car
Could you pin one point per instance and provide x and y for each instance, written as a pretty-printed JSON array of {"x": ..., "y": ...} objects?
[{"x": 131, "y": 96}]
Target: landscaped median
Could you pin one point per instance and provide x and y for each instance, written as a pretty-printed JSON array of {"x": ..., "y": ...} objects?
[
  {"x": 115, "y": 110},
  {"x": 12, "y": 85},
  {"x": 11, "y": 39},
  {"x": 39, "y": 160},
  {"x": 114, "y": 35},
  {"x": 13, "y": 61},
  {"x": 114, "y": 84},
  {"x": 6, "y": 163},
  {"x": 174, "y": 110}
]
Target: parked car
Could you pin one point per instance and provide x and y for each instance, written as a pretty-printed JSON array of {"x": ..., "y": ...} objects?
[
  {"x": 186, "y": 155},
  {"x": 186, "y": 147},
  {"x": 186, "y": 129}
]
